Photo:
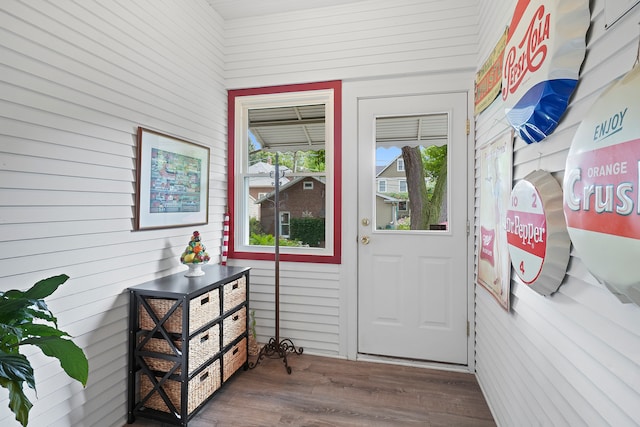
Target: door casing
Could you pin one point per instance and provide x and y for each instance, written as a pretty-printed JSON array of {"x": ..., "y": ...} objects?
[{"x": 457, "y": 81}]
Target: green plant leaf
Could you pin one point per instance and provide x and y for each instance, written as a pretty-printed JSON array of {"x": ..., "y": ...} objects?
[
  {"x": 45, "y": 287},
  {"x": 72, "y": 358},
  {"x": 16, "y": 367},
  {"x": 44, "y": 315},
  {"x": 10, "y": 337},
  {"x": 19, "y": 404},
  {"x": 18, "y": 309},
  {"x": 40, "y": 330},
  {"x": 12, "y": 310}
]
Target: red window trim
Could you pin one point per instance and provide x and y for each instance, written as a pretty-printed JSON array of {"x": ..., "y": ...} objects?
[{"x": 336, "y": 85}]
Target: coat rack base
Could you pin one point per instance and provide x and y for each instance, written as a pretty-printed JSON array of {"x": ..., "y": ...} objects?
[{"x": 274, "y": 349}]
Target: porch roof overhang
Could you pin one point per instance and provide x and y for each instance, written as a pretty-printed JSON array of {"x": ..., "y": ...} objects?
[{"x": 302, "y": 128}]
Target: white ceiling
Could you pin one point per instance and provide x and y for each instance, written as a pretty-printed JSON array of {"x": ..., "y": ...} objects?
[{"x": 233, "y": 9}]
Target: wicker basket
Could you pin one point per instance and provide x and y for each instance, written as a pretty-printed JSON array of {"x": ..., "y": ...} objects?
[
  {"x": 200, "y": 388},
  {"x": 234, "y": 359},
  {"x": 233, "y": 326},
  {"x": 202, "y": 347},
  {"x": 202, "y": 309},
  {"x": 234, "y": 293}
]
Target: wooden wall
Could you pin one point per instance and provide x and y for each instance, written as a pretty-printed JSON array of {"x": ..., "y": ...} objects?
[
  {"x": 375, "y": 38},
  {"x": 76, "y": 79},
  {"x": 572, "y": 358}
]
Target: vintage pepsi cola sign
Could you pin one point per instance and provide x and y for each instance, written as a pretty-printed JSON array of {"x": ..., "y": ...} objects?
[
  {"x": 537, "y": 233},
  {"x": 545, "y": 48},
  {"x": 602, "y": 188}
]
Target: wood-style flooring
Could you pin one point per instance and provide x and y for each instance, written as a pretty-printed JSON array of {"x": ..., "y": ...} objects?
[{"x": 325, "y": 392}]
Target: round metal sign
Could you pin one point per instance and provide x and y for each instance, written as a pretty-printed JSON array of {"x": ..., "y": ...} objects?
[
  {"x": 602, "y": 188},
  {"x": 536, "y": 232},
  {"x": 545, "y": 48}
]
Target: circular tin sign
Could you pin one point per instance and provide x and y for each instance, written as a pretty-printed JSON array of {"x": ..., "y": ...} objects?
[
  {"x": 545, "y": 48},
  {"x": 602, "y": 187},
  {"x": 536, "y": 232}
]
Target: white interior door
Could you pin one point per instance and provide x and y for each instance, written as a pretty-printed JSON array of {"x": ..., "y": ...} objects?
[{"x": 412, "y": 284}]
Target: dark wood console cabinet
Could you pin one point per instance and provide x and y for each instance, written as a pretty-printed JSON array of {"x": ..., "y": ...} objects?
[{"x": 187, "y": 336}]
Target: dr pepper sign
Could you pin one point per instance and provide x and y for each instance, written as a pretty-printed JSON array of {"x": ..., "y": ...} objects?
[
  {"x": 545, "y": 48},
  {"x": 602, "y": 188},
  {"x": 537, "y": 233}
]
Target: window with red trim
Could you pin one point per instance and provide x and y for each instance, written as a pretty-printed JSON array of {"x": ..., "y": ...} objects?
[{"x": 294, "y": 131}]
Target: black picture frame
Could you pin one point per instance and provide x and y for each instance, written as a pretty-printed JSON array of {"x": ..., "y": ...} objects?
[{"x": 172, "y": 183}]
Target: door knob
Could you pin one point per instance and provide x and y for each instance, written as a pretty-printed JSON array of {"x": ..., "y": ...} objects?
[
  {"x": 365, "y": 221},
  {"x": 364, "y": 240}
]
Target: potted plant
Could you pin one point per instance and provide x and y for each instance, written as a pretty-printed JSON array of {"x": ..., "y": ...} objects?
[
  {"x": 254, "y": 348},
  {"x": 25, "y": 319}
]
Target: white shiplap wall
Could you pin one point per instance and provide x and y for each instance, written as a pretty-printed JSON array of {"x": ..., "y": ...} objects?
[
  {"x": 374, "y": 38},
  {"x": 371, "y": 40},
  {"x": 76, "y": 79},
  {"x": 572, "y": 358},
  {"x": 309, "y": 304}
]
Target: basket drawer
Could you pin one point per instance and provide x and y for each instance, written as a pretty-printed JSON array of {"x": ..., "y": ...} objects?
[
  {"x": 202, "y": 309},
  {"x": 234, "y": 359},
  {"x": 235, "y": 293},
  {"x": 233, "y": 326},
  {"x": 202, "y": 347},
  {"x": 200, "y": 387}
]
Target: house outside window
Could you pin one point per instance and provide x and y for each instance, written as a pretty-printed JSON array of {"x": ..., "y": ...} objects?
[
  {"x": 382, "y": 186},
  {"x": 402, "y": 185},
  {"x": 302, "y": 124},
  {"x": 400, "y": 164}
]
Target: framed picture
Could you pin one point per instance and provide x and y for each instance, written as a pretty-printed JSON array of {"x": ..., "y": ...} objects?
[
  {"x": 172, "y": 182},
  {"x": 494, "y": 265}
]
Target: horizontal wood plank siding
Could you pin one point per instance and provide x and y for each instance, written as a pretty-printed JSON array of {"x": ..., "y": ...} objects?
[
  {"x": 571, "y": 358},
  {"x": 309, "y": 301},
  {"x": 76, "y": 80},
  {"x": 368, "y": 39}
]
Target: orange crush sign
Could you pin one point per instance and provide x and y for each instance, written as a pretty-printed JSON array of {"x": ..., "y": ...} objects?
[{"x": 602, "y": 188}]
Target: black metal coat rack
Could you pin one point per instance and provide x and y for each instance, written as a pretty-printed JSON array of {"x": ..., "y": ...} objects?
[{"x": 277, "y": 348}]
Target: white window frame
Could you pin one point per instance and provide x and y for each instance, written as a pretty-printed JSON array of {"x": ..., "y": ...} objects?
[
  {"x": 400, "y": 183},
  {"x": 307, "y": 185},
  {"x": 282, "y": 224},
  {"x": 399, "y": 164},
  {"x": 382, "y": 182}
]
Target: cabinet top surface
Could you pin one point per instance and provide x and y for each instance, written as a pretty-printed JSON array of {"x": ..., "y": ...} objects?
[{"x": 179, "y": 284}]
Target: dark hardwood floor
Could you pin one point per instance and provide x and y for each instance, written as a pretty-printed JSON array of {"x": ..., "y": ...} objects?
[{"x": 326, "y": 392}]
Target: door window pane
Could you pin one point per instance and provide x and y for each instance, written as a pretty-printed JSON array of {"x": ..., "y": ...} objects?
[{"x": 411, "y": 165}]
